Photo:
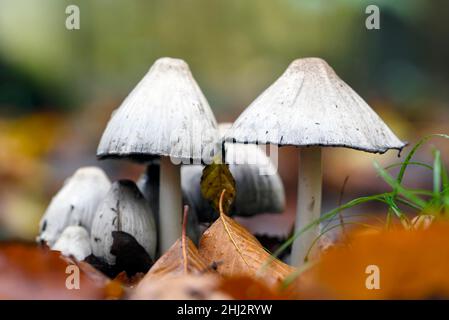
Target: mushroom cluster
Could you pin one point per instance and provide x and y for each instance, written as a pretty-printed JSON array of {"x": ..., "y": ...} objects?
[
  {"x": 165, "y": 120},
  {"x": 167, "y": 124}
]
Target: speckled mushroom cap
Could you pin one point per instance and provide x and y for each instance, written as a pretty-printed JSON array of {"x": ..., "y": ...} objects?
[
  {"x": 309, "y": 105},
  {"x": 166, "y": 114}
]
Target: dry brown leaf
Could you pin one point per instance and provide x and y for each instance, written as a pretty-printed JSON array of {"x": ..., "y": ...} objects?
[
  {"x": 181, "y": 259},
  {"x": 177, "y": 261},
  {"x": 236, "y": 252},
  {"x": 127, "y": 281},
  {"x": 113, "y": 289},
  {"x": 31, "y": 272},
  {"x": 181, "y": 287}
]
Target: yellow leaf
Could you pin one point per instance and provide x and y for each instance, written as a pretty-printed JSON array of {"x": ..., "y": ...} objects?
[{"x": 216, "y": 178}]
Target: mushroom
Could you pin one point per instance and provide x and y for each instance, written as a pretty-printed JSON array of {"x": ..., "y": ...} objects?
[
  {"x": 74, "y": 241},
  {"x": 148, "y": 184},
  {"x": 124, "y": 209},
  {"x": 256, "y": 192},
  {"x": 310, "y": 107},
  {"x": 74, "y": 204},
  {"x": 165, "y": 115}
]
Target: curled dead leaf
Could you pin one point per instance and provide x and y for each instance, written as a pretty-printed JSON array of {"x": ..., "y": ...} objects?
[
  {"x": 236, "y": 252},
  {"x": 178, "y": 260}
]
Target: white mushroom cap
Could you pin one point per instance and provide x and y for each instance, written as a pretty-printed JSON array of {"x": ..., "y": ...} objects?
[
  {"x": 74, "y": 204},
  {"x": 123, "y": 209},
  {"x": 74, "y": 241},
  {"x": 309, "y": 105},
  {"x": 166, "y": 114}
]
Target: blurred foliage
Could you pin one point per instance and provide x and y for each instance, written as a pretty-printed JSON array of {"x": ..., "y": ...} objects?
[{"x": 235, "y": 48}]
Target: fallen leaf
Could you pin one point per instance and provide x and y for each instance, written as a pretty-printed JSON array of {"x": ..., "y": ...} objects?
[
  {"x": 412, "y": 264},
  {"x": 113, "y": 289},
  {"x": 249, "y": 288},
  {"x": 236, "y": 252},
  {"x": 182, "y": 258},
  {"x": 127, "y": 281},
  {"x": 215, "y": 178},
  {"x": 206, "y": 287},
  {"x": 28, "y": 271},
  {"x": 178, "y": 260},
  {"x": 181, "y": 287}
]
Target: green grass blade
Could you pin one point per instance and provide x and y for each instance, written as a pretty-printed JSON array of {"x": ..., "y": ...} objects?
[
  {"x": 398, "y": 188},
  {"x": 413, "y": 163},
  {"x": 445, "y": 191},
  {"x": 414, "y": 150},
  {"x": 437, "y": 172}
]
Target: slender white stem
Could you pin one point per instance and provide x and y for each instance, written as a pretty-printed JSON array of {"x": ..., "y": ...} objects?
[
  {"x": 309, "y": 202},
  {"x": 170, "y": 204}
]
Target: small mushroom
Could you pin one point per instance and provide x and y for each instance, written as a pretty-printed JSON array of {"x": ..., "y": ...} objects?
[
  {"x": 124, "y": 209},
  {"x": 309, "y": 106},
  {"x": 256, "y": 192},
  {"x": 74, "y": 204},
  {"x": 74, "y": 241},
  {"x": 166, "y": 116}
]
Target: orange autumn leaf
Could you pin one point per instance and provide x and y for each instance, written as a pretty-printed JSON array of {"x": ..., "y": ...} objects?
[
  {"x": 412, "y": 264},
  {"x": 236, "y": 252},
  {"x": 250, "y": 288},
  {"x": 181, "y": 287},
  {"x": 127, "y": 281},
  {"x": 182, "y": 259},
  {"x": 178, "y": 260},
  {"x": 31, "y": 272}
]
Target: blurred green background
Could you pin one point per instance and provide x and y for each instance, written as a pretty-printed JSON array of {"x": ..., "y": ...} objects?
[{"x": 58, "y": 86}]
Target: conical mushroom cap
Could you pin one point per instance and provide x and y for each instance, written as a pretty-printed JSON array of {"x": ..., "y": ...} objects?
[
  {"x": 123, "y": 209},
  {"x": 166, "y": 114},
  {"x": 75, "y": 204},
  {"x": 309, "y": 105}
]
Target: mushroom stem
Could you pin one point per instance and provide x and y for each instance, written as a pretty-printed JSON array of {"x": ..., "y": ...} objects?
[
  {"x": 170, "y": 204},
  {"x": 309, "y": 202}
]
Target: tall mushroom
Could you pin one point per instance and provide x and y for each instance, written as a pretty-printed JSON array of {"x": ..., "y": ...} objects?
[
  {"x": 165, "y": 115},
  {"x": 310, "y": 107}
]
